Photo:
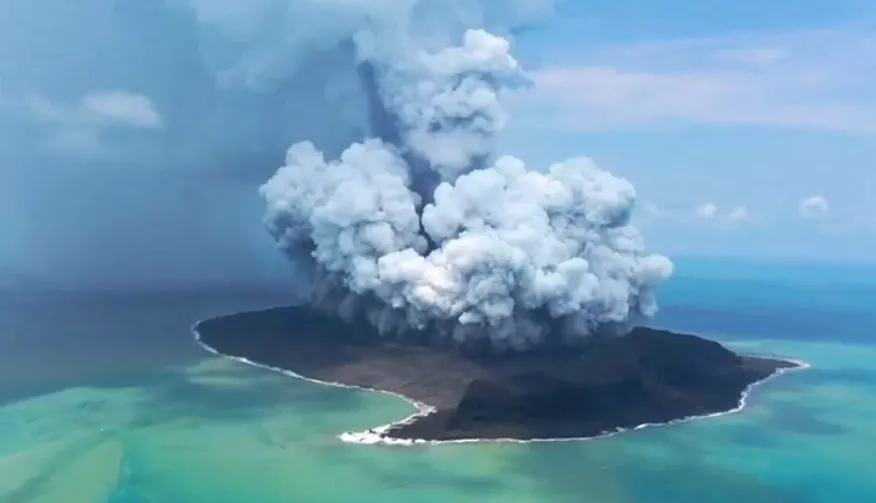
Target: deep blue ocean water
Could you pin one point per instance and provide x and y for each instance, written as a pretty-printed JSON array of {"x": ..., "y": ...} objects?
[{"x": 104, "y": 398}]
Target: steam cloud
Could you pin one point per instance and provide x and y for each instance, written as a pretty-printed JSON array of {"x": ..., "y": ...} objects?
[{"x": 419, "y": 225}]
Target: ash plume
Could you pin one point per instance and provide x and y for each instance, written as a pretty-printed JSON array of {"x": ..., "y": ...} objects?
[{"x": 420, "y": 225}]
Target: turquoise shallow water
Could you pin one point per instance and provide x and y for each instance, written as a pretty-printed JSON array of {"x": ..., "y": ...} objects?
[{"x": 171, "y": 425}]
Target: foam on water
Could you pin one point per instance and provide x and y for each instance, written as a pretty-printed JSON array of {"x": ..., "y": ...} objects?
[{"x": 379, "y": 434}]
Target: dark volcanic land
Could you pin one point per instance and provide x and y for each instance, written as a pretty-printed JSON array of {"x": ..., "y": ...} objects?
[{"x": 648, "y": 376}]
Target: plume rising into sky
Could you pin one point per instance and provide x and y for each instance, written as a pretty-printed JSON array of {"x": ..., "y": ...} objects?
[
  {"x": 134, "y": 134},
  {"x": 418, "y": 223}
]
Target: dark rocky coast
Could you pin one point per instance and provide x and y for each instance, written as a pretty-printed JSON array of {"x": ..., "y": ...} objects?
[{"x": 648, "y": 376}]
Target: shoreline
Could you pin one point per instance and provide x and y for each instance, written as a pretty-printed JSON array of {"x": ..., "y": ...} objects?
[{"x": 377, "y": 435}]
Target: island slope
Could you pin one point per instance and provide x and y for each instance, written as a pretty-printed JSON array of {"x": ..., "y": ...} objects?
[{"x": 648, "y": 376}]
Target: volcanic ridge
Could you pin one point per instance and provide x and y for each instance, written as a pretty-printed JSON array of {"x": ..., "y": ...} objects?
[{"x": 648, "y": 376}]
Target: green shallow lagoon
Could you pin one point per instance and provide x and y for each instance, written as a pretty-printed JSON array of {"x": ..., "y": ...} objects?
[{"x": 216, "y": 431}]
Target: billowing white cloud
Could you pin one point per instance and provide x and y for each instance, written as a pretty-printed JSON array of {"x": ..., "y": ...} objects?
[
  {"x": 813, "y": 207},
  {"x": 421, "y": 226}
]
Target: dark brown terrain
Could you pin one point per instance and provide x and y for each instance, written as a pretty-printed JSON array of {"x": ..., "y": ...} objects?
[{"x": 647, "y": 376}]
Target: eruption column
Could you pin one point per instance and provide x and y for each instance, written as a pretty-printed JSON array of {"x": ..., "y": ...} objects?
[{"x": 420, "y": 226}]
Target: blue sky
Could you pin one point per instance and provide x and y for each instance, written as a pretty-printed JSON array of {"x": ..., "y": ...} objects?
[{"x": 748, "y": 128}]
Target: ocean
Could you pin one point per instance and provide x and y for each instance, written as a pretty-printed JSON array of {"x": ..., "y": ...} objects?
[{"x": 106, "y": 398}]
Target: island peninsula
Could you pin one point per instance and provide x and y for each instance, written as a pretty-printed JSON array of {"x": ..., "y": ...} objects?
[{"x": 648, "y": 376}]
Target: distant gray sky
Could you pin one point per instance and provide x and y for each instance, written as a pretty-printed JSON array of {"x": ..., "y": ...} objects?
[{"x": 123, "y": 160}]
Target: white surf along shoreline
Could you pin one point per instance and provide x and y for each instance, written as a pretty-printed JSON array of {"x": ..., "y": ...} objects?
[{"x": 378, "y": 435}]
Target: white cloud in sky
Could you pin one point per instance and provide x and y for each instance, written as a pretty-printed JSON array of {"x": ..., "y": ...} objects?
[
  {"x": 98, "y": 109},
  {"x": 78, "y": 129},
  {"x": 822, "y": 79},
  {"x": 121, "y": 108},
  {"x": 813, "y": 207},
  {"x": 707, "y": 211},
  {"x": 711, "y": 212}
]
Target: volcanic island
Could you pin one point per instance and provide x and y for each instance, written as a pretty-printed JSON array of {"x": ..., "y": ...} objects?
[{"x": 647, "y": 376}]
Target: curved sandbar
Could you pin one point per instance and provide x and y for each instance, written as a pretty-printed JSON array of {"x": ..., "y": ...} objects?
[{"x": 647, "y": 377}]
